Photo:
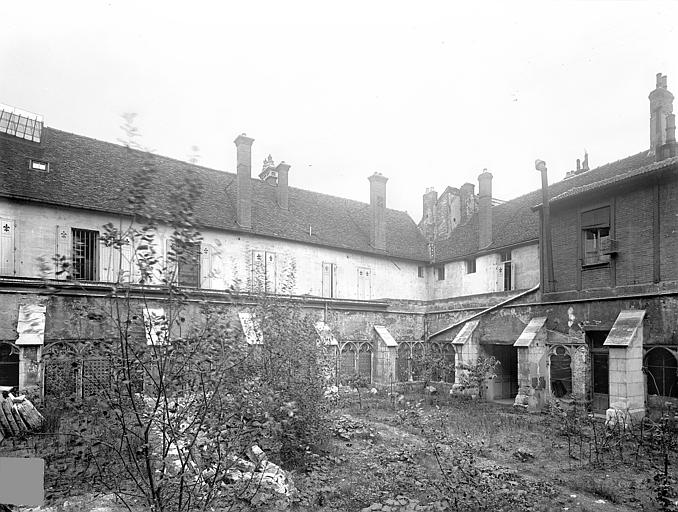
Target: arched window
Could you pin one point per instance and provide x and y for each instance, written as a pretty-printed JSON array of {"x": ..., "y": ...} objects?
[
  {"x": 347, "y": 361},
  {"x": 662, "y": 372},
  {"x": 365, "y": 362},
  {"x": 403, "y": 366},
  {"x": 9, "y": 366},
  {"x": 561, "y": 373}
]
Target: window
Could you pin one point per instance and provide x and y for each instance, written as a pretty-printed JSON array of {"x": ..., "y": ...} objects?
[
  {"x": 440, "y": 271},
  {"x": 470, "y": 266},
  {"x": 661, "y": 367},
  {"x": 329, "y": 280},
  {"x": 188, "y": 264},
  {"x": 19, "y": 123},
  {"x": 506, "y": 270},
  {"x": 420, "y": 271},
  {"x": 595, "y": 226},
  {"x": 85, "y": 254},
  {"x": 38, "y": 165}
]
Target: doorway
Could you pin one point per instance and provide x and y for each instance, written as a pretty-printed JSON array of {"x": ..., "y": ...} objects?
[
  {"x": 600, "y": 375},
  {"x": 505, "y": 384}
]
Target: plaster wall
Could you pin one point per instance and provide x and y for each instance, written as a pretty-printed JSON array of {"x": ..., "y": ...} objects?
[{"x": 298, "y": 267}]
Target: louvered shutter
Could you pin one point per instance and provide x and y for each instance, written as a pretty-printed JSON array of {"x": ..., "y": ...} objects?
[
  {"x": 271, "y": 272},
  {"x": 258, "y": 271},
  {"x": 170, "y": 262},
  {"x": 127, "y": 265},
  {"x": 499, "y": 276},
  {"x": 64, "y": 245},
  {"x": 513, "y": 276},
  {"x": 205, "y": 266},
  {"x": 327, "y": 280},
  {"x": 109, "y": 262},
  {"x": 7, "y": 228}
]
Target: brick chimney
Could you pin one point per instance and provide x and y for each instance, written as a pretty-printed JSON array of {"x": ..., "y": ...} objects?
[
  {"x": 484, "y": 209},
  {"x": 661, "y": 105},
  {"x": 428, "y": 219},
  {"x": 244, "y": 183},
  {"x": 468, "y": 202},
  {"x": 282, "y": 193},
  {"x": 378, "y": 211}
]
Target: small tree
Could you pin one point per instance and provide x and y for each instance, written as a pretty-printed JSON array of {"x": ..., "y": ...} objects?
[
  {"x": 175, "y": 396},
  {"x": 474, "y": 375}
]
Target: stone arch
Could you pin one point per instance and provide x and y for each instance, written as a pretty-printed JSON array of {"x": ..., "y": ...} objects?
[
  {"x": 9, "y": 364},
  {"x": 560, "y": 371},
  {"x": 661, "y": 369}
]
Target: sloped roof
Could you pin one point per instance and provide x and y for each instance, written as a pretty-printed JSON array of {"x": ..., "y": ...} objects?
[
  {"x": 515, "y": 222},
  {"x": 96, "y": 175}
]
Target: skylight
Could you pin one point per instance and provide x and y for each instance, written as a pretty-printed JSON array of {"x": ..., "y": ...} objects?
[{"x": 22, "y": 124}]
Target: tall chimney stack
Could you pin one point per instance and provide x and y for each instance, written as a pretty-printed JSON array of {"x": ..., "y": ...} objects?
[
  {"x": 467, "y": 196},
  {"x": 378, "y": 211},
  {"x": 244, "y": 183},
  {"x": 484, "y": 209},
  {"x": 428, "y": 220},
  {"x": 661, "y": 105},
  {"x": 282, "y": 192}
]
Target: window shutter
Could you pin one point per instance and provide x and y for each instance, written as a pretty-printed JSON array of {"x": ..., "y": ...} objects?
[
  {"x": 327, "y": 280},
  {"x": 499, "y": 277},
  {"x": 64, "y": 244},
  {"x": 7, "y": 228},
  {"x": 258, "y": 271},
  {"x": 271, "y": 272},
  {"x": 334, "y": 280},
  {"x": 513, "y": 276},
  {"x": 127, "y": 265},
  {"x": 205, "y": 266},
  {"x": 109, "y": 262},
  {"x": 170, "y": 262}
]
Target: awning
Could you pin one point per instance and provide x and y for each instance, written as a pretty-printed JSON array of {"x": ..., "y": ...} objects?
[
  {"x": 386, "y": 337},
  {"x": 155, "y": 326},
  {"x": 31, "y": 324},
  {"x": 625, "y": 327},
  {"x": 325, "y": 334},
  {"x": 530, "y": 332},
  {"x": 251, "y": 328},
  {"x": 466, "y": 332}
]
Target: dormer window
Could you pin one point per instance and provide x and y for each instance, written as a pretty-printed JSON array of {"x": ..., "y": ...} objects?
[{"x": 38, "y": 165}]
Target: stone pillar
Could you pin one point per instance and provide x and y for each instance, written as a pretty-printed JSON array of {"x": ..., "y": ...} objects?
[
  {"x": 385, "y": 355},
  {"x": 466, "y": 348},
  {"x": 626, "y": 386},
  {"x": 533, "y": 385}
]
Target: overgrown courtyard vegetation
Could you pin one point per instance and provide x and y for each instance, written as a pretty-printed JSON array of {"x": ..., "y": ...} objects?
[{"x": 429, "y": 453}]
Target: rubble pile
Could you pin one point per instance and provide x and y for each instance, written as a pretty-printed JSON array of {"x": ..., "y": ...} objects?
[{"x": 18, "y": 415}]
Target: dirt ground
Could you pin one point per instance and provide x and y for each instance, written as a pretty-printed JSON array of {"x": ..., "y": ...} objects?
[
  {"x": 470, "y": 455},
  {"x": 431, "y": 454}
]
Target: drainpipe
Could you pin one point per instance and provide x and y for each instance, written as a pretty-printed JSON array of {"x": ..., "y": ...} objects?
[
  {"x": 547, "y": 250},
  {"x": 484, "y": 311}
]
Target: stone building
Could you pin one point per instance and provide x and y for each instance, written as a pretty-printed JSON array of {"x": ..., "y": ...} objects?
[{"x": 466, "y": 280}]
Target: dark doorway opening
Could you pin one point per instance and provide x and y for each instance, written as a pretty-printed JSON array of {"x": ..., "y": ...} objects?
[
  {"x": 505, "y": 384},
  {"x": 600, "y": 375}
]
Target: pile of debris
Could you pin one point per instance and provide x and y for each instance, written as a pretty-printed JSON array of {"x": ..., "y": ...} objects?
[{"x": 18, "y": 415}]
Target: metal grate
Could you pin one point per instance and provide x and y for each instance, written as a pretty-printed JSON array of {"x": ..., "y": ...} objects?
[
  {"x": 85, "y": 250},
  {"x": 19, "y": 123},
  {"x": 60, "y": 378}
]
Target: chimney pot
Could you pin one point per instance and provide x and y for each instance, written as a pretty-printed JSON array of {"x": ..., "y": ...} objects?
[{"x": 661, "y": 105}]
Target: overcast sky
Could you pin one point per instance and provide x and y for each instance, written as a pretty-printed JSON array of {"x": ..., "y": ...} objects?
[{"x": 427, "y": 93}]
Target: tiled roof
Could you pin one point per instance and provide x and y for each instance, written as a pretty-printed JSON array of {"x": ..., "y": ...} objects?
[
  {"x": 515, "y": 222},
  {"x": 643, "y": 171},
  {"x": 96, "y": 175}
]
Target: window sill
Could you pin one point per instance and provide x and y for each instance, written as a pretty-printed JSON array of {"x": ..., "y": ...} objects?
[{"x": 595, "y": 265}]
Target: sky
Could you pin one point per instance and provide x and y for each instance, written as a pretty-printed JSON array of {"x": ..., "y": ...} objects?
[{"x": 427, "y": 93}]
